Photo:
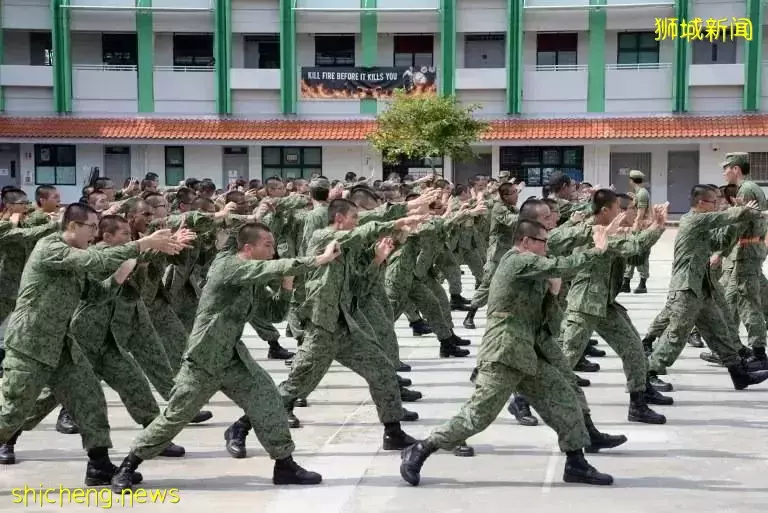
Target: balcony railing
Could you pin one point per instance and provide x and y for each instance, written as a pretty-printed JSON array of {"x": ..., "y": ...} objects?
[
  {"x": 644, "y": 65},
  {"x": 103, "y": 67},
  {"x": 558, "y": 67},
  {"x": 186, "y": 69}
]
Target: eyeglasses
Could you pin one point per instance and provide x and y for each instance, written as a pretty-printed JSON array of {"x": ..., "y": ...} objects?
[
  {"x": 538, "y": 239},
  {"x": 92, "y": 226}
]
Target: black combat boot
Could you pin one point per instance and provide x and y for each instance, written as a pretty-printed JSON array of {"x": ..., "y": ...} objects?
[
  {"x": 585, "y": 365},
  {"x": 7, "y": 453},
  {"x": 448, "y": 348},
  {"x": 694, "y": 340},
  {"x": 404, "y": 382},
  {"x": 403, "y": 367},
  {"x": 577, "y": 470},
  {"x": 593, "y": 342},
  {"x": 625, "y": 286},
  {"x": 594, "y": 352},
  {"x": 201, "y": 416},
  {"x": 412, "y": 459},
  {"x": 521, "y": 410},
  {"x": 289, "y": 472},
  {"x": 65, "y": 424},
  {"x": 2, "y": 357},
  {"x": 639, "y": 411},
  {"x": 653, "y": 396},
  {"x": 742, "y": 377},
  {"x": 301, "y": 402},
  {"x": 711, "y": 357},
  {"x": 420, "y": 327},
  {"x": 469, "y": 320},
  {"x": 459, "y": 303},
  {"x": 582, "y": 382},
  {"x": 409, "y": 396},
  {"x": 658, "y": 384},
  {"x": 126, "y": 475},
  {"x": 460, "y": 341},
  {"x": 648, "y": 341},
  {"x": 289, "y": 362},
  {"x": 101, "y": 471},
  {"x": 172, "y": 450},
  {"x": 235, "y": 437},
  {"x": 278, "y": 352},
  {"x": 293, "y": 421},
  {"x": 395, "y": 438},
  {"x": 464, "y": 451},
  {"x": 598, "y": 440},
  {"x": 641, "y": 288},
  {"x": 758, "y": 361},
  {"x": 409, "y": 416}
]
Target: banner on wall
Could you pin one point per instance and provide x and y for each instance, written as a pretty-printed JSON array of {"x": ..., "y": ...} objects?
[{"x": 361, "y": 83}]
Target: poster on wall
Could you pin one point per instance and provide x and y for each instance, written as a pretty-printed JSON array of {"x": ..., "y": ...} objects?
[{"x": 361, "y": 83}]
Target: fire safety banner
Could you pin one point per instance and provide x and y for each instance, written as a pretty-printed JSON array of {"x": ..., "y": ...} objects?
[{"x": 360, "y": 83}]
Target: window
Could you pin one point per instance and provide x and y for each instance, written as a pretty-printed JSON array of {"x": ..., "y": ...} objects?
[
  {"x": 174, "y": 165},
  {"x": 291, "y": 162},
  {"x": 638, "y": 48},
  {"x": 413, "y": 51},
  {"x": 556, "y": 49},
  {"x": 484, "y": 51},
  {"x": 716, "y": 52},
  {"x": 193, "y": 50},
  {"x": 758, "y": 167},
  {"x": 55, "y": 164},
  {"x": 334, "y": 51},
  {"x": 40, "y": 49},
  {"x": 262, "y": 52},
  {"x": 416, "y": 168},
  {"x": 119, "y": 49},
  {"x": 535, "y": 164}
]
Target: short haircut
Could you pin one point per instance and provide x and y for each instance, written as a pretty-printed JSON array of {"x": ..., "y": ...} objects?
[
  {"x": 254, "y": 184},
  {"x": 559, "y": 181},
  {"x": 730, "y": 192},
  {"x": 459, "y": 190},
  {"x": 191, "y": 183},
  {"x": 110, "y": 224},
  {"x": 700, "y": 192},
  {"x": 206, "y": 186},
  {"x": 152, "y": 176},
  {"x": 506, "y": 188},
  {"x": 96, "y": 193},
  {"x": 273, "y": 179},
  {"x": 602, "y": 198},
  {"x": 528, "y": 228},
  {"x": 43, "y": 192},
  {"x": 552, "y": 204},
  {"x": 146, "y": 184},
  {"x": 76, "y": 213},
  {"x": 339, "y": 207},
  {"x": 103, "y": 183},
  {"x": 529, "y": 210},
  {"x": 14, "y": 196},
  {"x": 362, "y": 196},
  {"x": 185, "y": 195},
  {"x": 350, "y": 176},
  {"x": 250, "y": 232},
  {"x": 203, "y": 203},
  {"x": 234, "y": 197}
]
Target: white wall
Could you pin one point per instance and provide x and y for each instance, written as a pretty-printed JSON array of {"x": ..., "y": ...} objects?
[
  {"x": 100, "y": 21},
  {"x": 163, "y": 49},
  {"x": 481, "y": 16},
  {"x": 255, "y": 103},
  {"x": 339, "y": 160},
  {"x": 28, "y": 100},
  {"x": 88, "y": 156},
  {"x": 255, "y": 16},
  {"x": 27, "y": 14},
  {"x": 492, "y": 101},
  {"x": 716, "y": 99}
]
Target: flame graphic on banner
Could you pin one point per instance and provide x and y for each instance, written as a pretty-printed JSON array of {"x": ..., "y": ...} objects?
[{"x": 319, "y": 91}]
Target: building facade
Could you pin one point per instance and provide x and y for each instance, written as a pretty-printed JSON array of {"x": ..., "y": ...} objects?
[{"x": 214, "y": 88}]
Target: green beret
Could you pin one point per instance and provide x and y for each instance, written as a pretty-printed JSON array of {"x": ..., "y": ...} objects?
[
  {"x": 636, "y": 174},
  {"x": 735, "y": 159}
]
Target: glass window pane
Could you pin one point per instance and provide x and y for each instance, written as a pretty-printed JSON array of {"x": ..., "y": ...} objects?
[
  {"x": 648, "y": 41},
  {"x": 627, "y": 41},
  {"x": 65, "y": 156},
  {"x": 270, "y": 156},
  {"x": 45, "y": 174},
  {"x": 550, "y": 157},
  {"x": 44, "y": 155},
  {"x": 173, "y": 175},
  {"x": 291, "y": 156},
  {"x": 546, "y": 172},
  {"x": 174, "y": 156},
  {"x": 66, "y": 175},
  {"x": 566, "y": 58},
  {"x": 529, "y": 156},
  {"x": 403, "y": 60},
  {"x": 291, "y": 173},
  {"x": 648, "y": 57},
  {"x": 422, "y": 59},
  {"x": 571, "y": 157},
  {"x": 627, "y": 57},
  {"x": 313, "y": 157},
  {"x": 533, "y": 177},
  {"x": 575, "y": 174},
  {"x": 269, "y": 172},
  {"x": 546, "y": 58},
  {"x": 308, "y": 172}
]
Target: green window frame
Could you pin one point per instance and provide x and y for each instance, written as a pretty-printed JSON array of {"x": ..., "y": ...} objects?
[
  {"x": 174, "y": 165},
  {"x": 55, "y": 164},
  {"x": 637, "y": 48},
  {"x": 291, "y": 162}
]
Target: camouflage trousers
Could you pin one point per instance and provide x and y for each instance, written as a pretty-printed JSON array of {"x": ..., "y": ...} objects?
[
  {"x": 170, "y": 330},
  {"x": 184, "y": 304},
  {"x": 411, "y": 313},
  {"x": 618, "y": 332},
  {"x": 480, "y": 298},
  {"x": 72, "y": 382},
  {"x": 427, "y": 295},
  {"x": 121, "y": 373},
  {"x": 687, "y": 310},
  {"x": 265, "y": 330},
  {"x": 321, "y": 348},
  {"x": 6, "y": 308},
  {"x": 548, "y": 391},
  {"x": 451, "y": 269},
  {"x": 743, "y": 295},
  {"x": 643, "y": 269},
  {"x": 376, "y": 311},
  {"x": 247, "y": 384}
]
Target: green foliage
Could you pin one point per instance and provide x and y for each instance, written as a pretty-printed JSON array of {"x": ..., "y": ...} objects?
[{"x": 417, "y": 127}]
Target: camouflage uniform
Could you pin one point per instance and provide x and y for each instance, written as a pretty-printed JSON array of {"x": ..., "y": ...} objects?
[
  {"x": 502, "y": 230},
  {"x": 513, "y": 356},
  {"x": 642, "y": 201}
]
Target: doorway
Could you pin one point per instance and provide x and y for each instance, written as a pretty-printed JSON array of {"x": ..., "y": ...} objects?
[
  {"x": 117, "y": 164},
  {"x": 682, "y": 176},
  {"x": 234, "y": 164},
  {"x": 480, "y": 165},
  {"x": 9, "y": 165},
  {"x": 623, "y": 163}
]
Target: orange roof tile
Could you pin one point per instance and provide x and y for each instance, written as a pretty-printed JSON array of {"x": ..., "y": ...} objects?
[{"x": 664, "y": 127}]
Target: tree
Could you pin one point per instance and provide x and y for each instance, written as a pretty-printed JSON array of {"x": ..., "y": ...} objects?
[{"x": 425, "y": 127}]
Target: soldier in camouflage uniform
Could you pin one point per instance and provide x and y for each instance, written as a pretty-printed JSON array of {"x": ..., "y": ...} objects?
[
  {"x": 40, "y": 350},
  {"x": 513, "y": 358},
  {"x": 217, "y": 359},
  {"x": 642, "y": 205}
]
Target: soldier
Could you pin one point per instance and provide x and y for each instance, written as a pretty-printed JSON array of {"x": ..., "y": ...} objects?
[
  {"x": 690, "y": 300},
  {"x": 217, "y": 359},
  {"x": 510, "y": 358},
  {"x": 40, "y": 350},
  {"x": 743, "y": 289},
  {"x": 642, "y": 204}
]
